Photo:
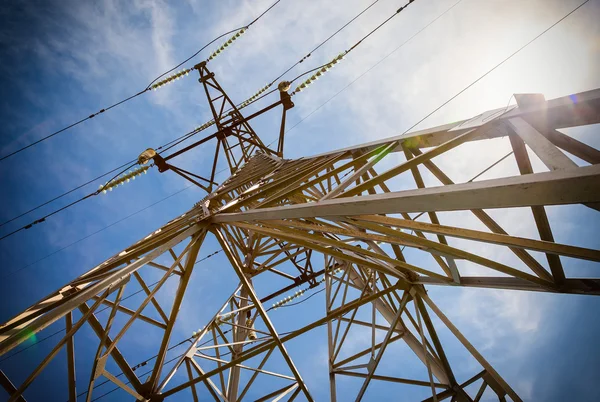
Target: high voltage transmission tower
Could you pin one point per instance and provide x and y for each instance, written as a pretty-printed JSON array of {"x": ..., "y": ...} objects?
[{"x": 339, "y": 221}]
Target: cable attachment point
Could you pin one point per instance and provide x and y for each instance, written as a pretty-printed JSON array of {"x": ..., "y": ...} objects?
[
  {"x": 146, "y": 156},
  {"x": 152, "y": 154},
  {"x": 284, "y": 86},
  {"x": 286, "y": 99}
]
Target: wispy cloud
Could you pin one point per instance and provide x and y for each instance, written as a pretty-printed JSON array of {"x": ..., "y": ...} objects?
[{"x": 92, "y": 54}]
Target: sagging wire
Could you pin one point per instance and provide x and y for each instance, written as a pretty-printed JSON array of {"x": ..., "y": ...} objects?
[
  {"x": 370, "y": 68},
  {"x": 151, "y": 86},
  {"x": 343, "y": 54},
  {"x": 97, "y": 231},
  {"x": 254, "y": 97},
  {"x": 67, "y": 193},
  {"x": 109, "y": 185},
  {"x": 488, "y": 72},
  {"x": 261, "y": 92}
]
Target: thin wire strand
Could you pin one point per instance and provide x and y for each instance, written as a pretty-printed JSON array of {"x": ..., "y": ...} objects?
[
  {"x": 323, "y": 42},
  {"x": 371, "y": 68},
  {"x": 476, "y": 176},
  {"x": 43, "y": 219},
  {"x": 150, "y": 286},
  {"x": 127, "y": 383},
  {"x": 190, "y": 134},
  {"x": 308, "y": 72},
  {"x": 456, "y": 95},
  {"x": 346, "y": 52},
  {"x": 495, "y": 67},
  {"x": 192, "y": 56},
  {"x": 498, "y": 113},
  {"x": 72, "y": 125},
  {"x": 91, "y": 116},
  {"x": 128, "y": 165},
  {"x": 239, "y": 106},
  {"x": 64, "y": 194},
  {"x": 143, "y": 363},
  {"x": 96, "y": 232},
  {"x": 104, "y": 228},
  {"x": 32, "y": 345},
  {"x": 381, "y": 25},
  {"x": 491, "y": 166},
  {"x": 264, "y": 12},
  {"x": 173, "y": 359}
]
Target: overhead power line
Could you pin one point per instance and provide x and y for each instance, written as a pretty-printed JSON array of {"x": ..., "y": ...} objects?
[
  {"x": 66, "y": 193},
  {"x": 261, "y": 92},
  {"x": 109, "y": 185},
  {"x": 343, "y": 54},
  {"x": 166, "y": 146},
  {"x": 453, "y": 97},
  {"x": 143, "y": 363},
  {"x": 190, "y": 134},
  {"x": 496, "y": 66},
  {"x": 127, "y": 165},
  {"x": 91, "y": 116},
  {"x": 48, "y": 215},
  {"x": 124, "y": 167},
  {"x": 150, "y": 286},
  {"x": 326, "y": 66},
  {"x": 353, "y": 47},
  {"x": 148, "y": 88},
  {"x": 96, "y": 232},
  {"x": 325, "y": 41},
  {"x": 370, "y": 68}
]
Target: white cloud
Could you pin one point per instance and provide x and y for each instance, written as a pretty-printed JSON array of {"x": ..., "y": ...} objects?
[{"x": 114, "y": 48}]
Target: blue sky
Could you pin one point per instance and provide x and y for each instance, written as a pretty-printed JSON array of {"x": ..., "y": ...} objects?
[{"x": 64, "y": 60}]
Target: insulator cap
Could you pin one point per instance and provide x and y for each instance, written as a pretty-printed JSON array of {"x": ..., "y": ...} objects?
[
  {"x": 284, "y": 86},
  {"x": 146, "y": 156}
]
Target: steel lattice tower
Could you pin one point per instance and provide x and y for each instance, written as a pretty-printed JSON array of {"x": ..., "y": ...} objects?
[{"x": 334, "y": 218}]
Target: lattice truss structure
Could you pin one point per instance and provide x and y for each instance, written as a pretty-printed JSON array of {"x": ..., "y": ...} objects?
[{"x": 358, "y": 221}]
